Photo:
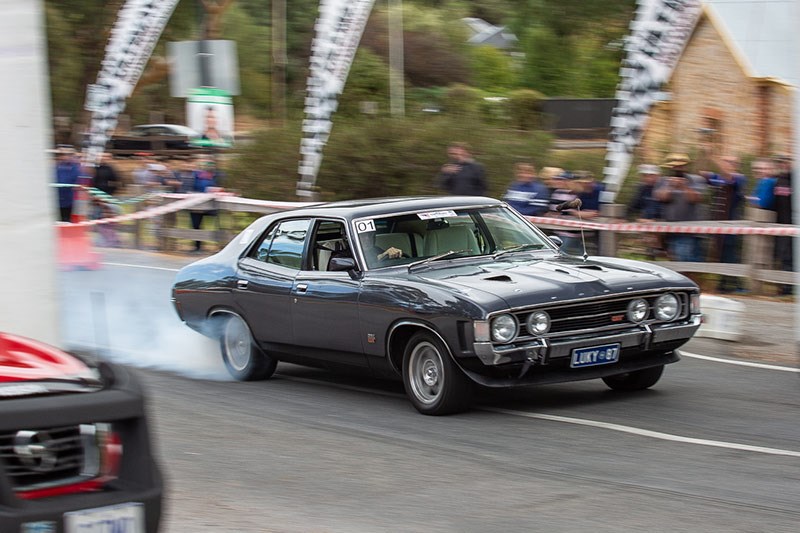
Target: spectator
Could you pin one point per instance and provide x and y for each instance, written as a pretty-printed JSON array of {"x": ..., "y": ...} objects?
[
  {"x": 589, "y": 190},
  {"x": 68, "y": 171},
  {"x": 726, "y": 200},
  {"x": 204, "y": 177},
  {"x": 107, "y": 180},
  {"x": 681, "y": 197},
  {"x": 566, "y": 189},
  {"x": 764, "y": 191},
  {"x": 644, "y": 204},
  {"x": 461, "y": 175},
  {"x": 527, "y": 194},
  {"x": 783, "y": 212},
  {"x": 646, "y": 208}
]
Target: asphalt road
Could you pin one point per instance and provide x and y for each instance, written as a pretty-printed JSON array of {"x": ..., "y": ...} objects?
[{"x": 713, "y": 447}]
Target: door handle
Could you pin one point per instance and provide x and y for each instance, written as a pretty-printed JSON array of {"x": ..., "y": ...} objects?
[
  {"x": 242, "y": 284},
  {"x": 302, "y": 288}
]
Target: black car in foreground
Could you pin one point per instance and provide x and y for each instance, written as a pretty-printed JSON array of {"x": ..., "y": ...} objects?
[
  {"x": 75, "y": 454},
  {"x": 443, "y": 292}
]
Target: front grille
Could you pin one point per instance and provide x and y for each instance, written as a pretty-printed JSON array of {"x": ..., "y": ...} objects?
[
  {"x": 43, "y": 457},
  {"x": 598, "y": 315}
]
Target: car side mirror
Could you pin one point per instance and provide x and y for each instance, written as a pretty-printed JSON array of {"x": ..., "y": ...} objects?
[
  {"x": 555, "y": 239},
  {"x": 341, "y": 264}
]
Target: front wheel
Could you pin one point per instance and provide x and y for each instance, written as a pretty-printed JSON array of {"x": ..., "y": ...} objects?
[
  {"x": 433, "y": 382},
  {"x": 244, "y": 360},
  {"x": 636, "y": 380}
]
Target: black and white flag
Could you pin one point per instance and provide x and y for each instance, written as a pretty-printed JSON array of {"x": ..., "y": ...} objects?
[{"x": 658, "y": 36}]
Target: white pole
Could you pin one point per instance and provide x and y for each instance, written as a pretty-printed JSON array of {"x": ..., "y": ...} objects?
[
  {"x": 397, "y": 96},
  {"x": 795, "y": 182},
  {"x": 27, "y": 235}
]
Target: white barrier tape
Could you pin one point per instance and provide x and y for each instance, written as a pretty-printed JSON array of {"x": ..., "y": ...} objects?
[
  {"x": 187, "y": 202},
  {"x": 787, "y": 231}
]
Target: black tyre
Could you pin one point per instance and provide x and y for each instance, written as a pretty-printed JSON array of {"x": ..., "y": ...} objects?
[
  {"x": 244, "y": 360},
  {"x": 433, "y": 382},
  {"x": 636, "y": 380}
]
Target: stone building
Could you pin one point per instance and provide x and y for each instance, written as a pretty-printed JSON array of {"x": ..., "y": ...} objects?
[{"x": 732, "y": 90}]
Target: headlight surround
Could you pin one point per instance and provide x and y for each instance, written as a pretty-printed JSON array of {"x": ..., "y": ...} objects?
[
  {"x": 637, "y": 310},
  {"x": 504, "y": 328},
  {"x": 538, "y": 323},
  {"x": 694, "y": 304},
  {"x": 667, "y": 307}
]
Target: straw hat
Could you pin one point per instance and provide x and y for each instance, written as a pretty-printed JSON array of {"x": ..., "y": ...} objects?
[{"x": 676, "y": 160}]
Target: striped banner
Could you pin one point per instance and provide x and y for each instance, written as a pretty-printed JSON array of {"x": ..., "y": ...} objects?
[{"x": 138, "y": 27}]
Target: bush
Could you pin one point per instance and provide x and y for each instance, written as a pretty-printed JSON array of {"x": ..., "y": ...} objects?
[
  {"x": 525, "y": 106},
  {"x": 380, "y": 156}
]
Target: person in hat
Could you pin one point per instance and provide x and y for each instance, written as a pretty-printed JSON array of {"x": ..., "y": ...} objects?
[{"x": 681, "y": 196}]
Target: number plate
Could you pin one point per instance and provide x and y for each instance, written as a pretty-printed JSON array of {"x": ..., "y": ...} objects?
[
  {"x": 125, "y": 518},
  {"x": 596, "y": 355}
]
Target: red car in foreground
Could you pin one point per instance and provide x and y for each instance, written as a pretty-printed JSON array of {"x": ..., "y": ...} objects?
[{"x": 75, "y": 451}]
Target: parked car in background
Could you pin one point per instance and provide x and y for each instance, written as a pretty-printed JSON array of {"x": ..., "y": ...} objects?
[
  {"x": 441, "y": 292},
  {"x": 154, "y": 138},
  {"x": 75, "y": 452}
]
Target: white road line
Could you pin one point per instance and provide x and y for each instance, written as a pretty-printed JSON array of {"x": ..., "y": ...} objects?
[
  {"x": 141, "y": 266},
  {"x": 645, "y": 432},
  {"x": 741, "y": 363}
]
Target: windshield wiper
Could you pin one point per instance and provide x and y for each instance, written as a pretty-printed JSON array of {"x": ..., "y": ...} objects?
[
  {"x": 520, "y": 248},
  {"x": 435, "y": 258}
]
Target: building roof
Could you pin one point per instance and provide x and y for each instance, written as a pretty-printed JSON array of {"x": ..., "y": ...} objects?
[
  {"x": 761, "y": 33},
  {"x": 489, "y": 34}
]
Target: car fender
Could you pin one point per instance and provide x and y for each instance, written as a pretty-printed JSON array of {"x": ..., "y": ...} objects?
[{"x": 395, "y": 346}]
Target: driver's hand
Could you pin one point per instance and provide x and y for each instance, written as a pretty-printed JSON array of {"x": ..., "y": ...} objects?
[{"x": 391, "y": 253}]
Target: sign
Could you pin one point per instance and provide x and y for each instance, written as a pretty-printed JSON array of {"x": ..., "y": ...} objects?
[
  {"x": 659, "y": 34},
  {"x": 209, "y": 111}
]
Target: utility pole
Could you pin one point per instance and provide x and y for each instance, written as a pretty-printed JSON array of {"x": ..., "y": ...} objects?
[
  {"x": 279, "y": 61},
  {"x": 397, "y": 89}
]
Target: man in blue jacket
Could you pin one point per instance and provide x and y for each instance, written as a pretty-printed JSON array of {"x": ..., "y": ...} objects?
[
  {"x": 68, "y": 171},
  {"x": 527, "y": 194}
]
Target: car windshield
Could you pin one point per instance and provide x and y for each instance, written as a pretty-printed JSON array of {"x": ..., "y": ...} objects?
[{"x": 445, "y": 234}]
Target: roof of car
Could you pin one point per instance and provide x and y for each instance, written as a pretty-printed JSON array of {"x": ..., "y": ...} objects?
[{"x": 384, "y": 206}]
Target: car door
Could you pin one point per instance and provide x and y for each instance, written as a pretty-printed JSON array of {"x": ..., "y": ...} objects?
[
  {"x": 326, "y": 302},
  {"x": 265, "y": 283}
]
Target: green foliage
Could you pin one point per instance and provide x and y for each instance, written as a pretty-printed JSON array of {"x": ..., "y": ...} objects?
[
  {"x": 525, "y": 106},
  {"x": 368, "y": 81},
  {"x": 492, "y": 69},
  {"x": 379, "y": 156},
  {"x": 463, "y": 101},
  {"x": 574, "y": 160}
]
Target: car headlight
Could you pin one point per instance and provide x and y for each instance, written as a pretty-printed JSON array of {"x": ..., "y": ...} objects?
[
  {"x": 538, "y": 323},
  {"x": 637, "y": 310},
  {"x": 667, "y": 307},
  {"x": 504, "y": 328}
]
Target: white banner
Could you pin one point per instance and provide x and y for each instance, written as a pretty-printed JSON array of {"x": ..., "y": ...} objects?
[
  {"x": 338, "y": 32},
  {"x": 658, "y": 36},
  {"x": 135, "y": 34}
]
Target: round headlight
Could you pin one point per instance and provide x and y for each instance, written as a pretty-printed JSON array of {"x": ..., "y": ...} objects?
[
  {"x": 538, "y": 323},
  {"x": 637, "y": 310},
  {"x": 667, "y": 307},
  {"x": 504, "y": 328}
]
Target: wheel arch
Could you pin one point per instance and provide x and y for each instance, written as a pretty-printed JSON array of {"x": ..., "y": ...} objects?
[
  {"x": 399, "y": 335},
  {"x": 213, "y": 320}
]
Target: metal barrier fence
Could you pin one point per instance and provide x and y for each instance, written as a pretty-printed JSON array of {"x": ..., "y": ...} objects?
[{"x": 158, "y": 216}]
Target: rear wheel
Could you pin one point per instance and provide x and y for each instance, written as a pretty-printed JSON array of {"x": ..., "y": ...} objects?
[
  {"x": 636, "y": 380},
  {"x": 244, "y": 360},
  {"x": 433, "y": 382}
]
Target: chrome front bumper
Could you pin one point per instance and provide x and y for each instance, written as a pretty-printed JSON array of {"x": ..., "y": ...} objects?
[{"x": 646, "y": 337}]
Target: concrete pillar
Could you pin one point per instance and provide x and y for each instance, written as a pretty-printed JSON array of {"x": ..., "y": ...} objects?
[{"x": 27, "y": 233}]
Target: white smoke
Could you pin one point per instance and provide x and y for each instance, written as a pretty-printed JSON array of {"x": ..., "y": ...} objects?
[{"x": 125, "y": 315}]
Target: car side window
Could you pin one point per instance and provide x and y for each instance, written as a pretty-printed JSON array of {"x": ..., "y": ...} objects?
[
  {"x": 286, "y": 246},
  {"x": 261, "y": 250},
  {"x": 330, "y": 240}
]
